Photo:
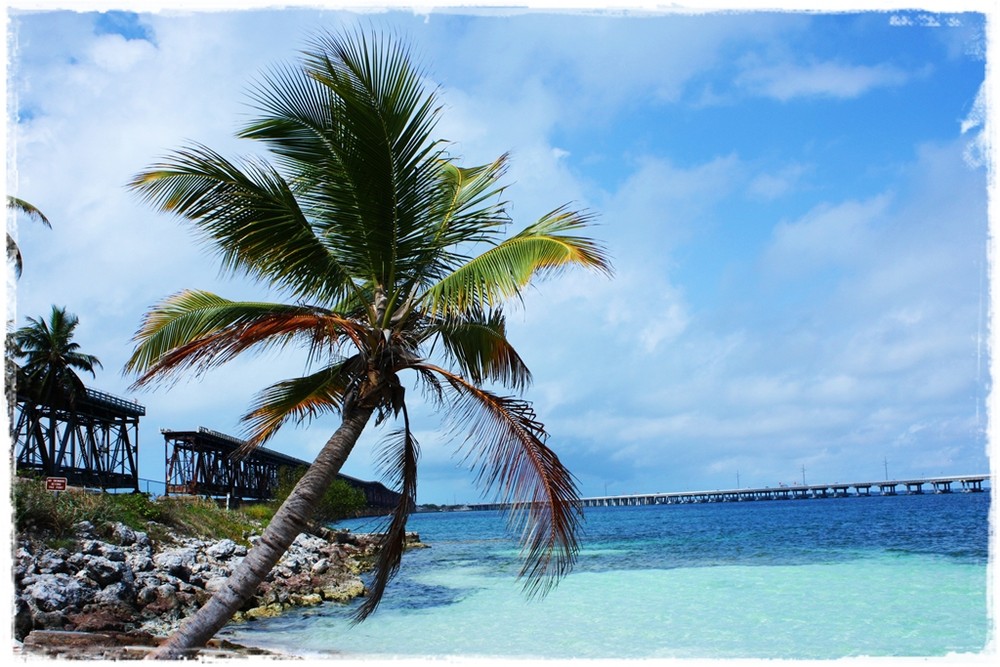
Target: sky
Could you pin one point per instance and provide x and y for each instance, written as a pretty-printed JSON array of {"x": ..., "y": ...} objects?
[{"x": 796, "y": 204}]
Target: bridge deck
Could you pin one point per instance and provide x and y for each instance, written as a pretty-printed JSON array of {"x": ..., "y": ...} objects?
[{"x": 968, "y": 483}]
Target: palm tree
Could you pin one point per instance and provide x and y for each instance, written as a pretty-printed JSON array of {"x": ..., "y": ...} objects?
[
  {"x": 48, "y": 372},
  {"x": 13, "y": 252},
  {"x": 51, "y": 359},
  {"x": 386, "y": 248}
]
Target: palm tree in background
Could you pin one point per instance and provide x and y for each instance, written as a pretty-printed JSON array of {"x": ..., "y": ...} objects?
[
  {"x": 51, "y": 359},
  {"x": 13, "y": 252},
  {"x": 387, "y": 251}
]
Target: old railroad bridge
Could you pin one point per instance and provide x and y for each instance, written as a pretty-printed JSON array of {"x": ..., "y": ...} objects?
[{"x": 96, "y": 444}]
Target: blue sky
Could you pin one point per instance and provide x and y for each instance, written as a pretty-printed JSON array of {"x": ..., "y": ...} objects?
[{"x": 796, "y": 204}]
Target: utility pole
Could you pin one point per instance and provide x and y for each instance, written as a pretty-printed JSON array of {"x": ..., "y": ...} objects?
[
  {"x": 803, "y": 475},
  {"x": 885, "y": 462},
  {"x": 737, "y": 479}
]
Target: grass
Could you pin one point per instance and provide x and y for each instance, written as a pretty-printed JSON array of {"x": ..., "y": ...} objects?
[{"x": 51, "y": 516}]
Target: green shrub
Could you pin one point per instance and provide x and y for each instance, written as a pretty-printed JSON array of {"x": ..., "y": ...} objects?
[
  {"x": 340, "y": 501},
  {"x": 262, "y": 512}
]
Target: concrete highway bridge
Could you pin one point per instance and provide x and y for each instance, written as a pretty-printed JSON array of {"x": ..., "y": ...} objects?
[{"x": 910, "y": 486}]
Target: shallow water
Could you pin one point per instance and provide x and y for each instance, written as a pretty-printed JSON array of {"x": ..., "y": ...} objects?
[{"x": 806, "y": 579}]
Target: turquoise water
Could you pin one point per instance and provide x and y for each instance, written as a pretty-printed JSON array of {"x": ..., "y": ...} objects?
[{"x": 807, "y": 579}]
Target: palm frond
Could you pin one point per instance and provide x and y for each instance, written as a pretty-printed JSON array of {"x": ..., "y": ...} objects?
[
  {"x": 251, "y": 215},
  {"x": 28, "y": 209},
  {"x": 464, "y": 215},
  {"x": 506, "y": 444},
  {"x": 478, "y": 343},
  {"x": 381, "y": 177},
  {"x": 296, "y": 117},
  {"x": 198, "y": 330},
  {"x": 464, "y": 209},
  {"x": 501, "y": 272},
  {"x": 301, "y": 399},
  {"x": 13, "y": 252},
  {"x": 14, "y": 255},
  {"x": 398, "y": 462}
]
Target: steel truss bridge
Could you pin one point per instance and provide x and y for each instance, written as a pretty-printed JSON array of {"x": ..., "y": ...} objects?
[
  {"x": 206, "y": 463},
  {"x": 95, "y": 444}
]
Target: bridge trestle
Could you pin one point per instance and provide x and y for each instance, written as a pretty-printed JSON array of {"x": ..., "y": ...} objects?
[
  {"x": 205, "y": 463},
  {"x": 96, "y": 443}
]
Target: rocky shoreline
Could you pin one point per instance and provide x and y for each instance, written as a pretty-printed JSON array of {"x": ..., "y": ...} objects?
[{"x": 117, "y": 596}]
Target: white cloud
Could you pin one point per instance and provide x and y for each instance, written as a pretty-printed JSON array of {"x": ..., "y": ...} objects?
[
  {"x": 773, "y": 185},
  {"x": 660, "y": 205},
  {"x": 116, "y": 54},
  {"x": 828, "y": 79},
  {"x": 977, "y": 150},
  {"x": 828, "y": 235}
]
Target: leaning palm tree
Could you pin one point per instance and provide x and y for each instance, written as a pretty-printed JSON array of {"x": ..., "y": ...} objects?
[
  {"x": 396, "y": 267},
  {"x": 13, "y": 252}
]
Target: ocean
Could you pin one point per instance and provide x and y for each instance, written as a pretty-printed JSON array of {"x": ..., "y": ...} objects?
[{"x": 791, "y": 579}]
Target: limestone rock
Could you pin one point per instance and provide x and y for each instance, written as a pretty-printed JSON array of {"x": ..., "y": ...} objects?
[
  {"x": 124, "y": 535},
  {"x": 125, "y": 585},
  {"x": 56, "y": 592}
]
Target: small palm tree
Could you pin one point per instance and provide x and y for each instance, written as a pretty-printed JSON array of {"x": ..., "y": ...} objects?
[
  {"x": 13, "y": 252},
  {"x": 50, "y": 359},
  {"x": 389, "y": 251},
  {"x": 48, "y": 372}
]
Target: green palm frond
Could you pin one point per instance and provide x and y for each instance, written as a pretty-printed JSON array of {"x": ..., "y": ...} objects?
[
  {"x": 469, "y": 211},
  {"x": 14, "y": 255},
  {"x": 355, "y": 128},
  {"x": 478, "y": 344},
  {"x": 299, "y": 399},
  {"x": 506, "y": 444},
  {"x": 198, "y": 330},
  {"x": 500, "y": 273},
  {"x": 251, "y": 215},
  {"x": 469, "y": 208}
]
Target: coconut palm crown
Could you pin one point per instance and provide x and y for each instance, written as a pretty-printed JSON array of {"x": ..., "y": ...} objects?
[
  {"x": 51, "y": 359},
  {"x": 393, "y": 259}
]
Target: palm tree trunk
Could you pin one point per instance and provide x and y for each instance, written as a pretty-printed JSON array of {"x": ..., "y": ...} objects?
[{"x": 291, "y": 519}]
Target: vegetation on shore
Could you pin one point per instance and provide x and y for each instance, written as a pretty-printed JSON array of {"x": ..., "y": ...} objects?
[{"x": 50, "y": 516}]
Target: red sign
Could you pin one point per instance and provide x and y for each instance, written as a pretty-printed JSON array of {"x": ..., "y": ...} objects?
[{"x": 55, "y": 483}]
